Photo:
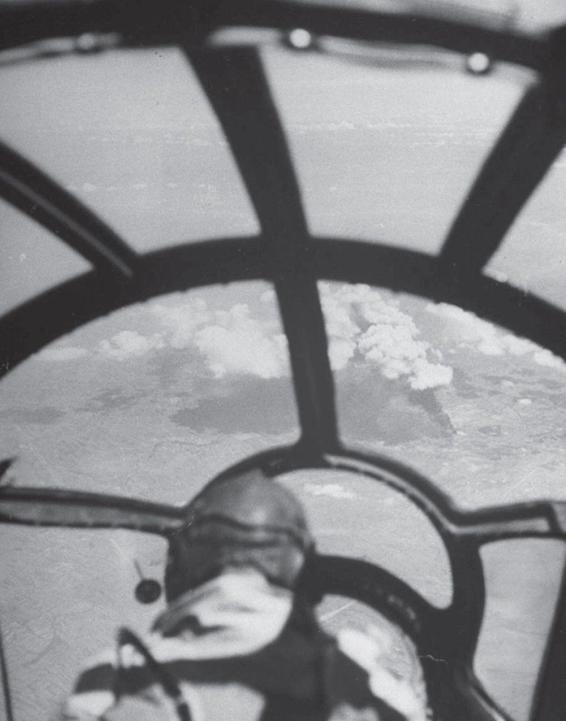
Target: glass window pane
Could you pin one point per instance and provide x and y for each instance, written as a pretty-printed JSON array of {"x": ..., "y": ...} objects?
[
  {"x": 359, "y": 518},
  {"x": 132, "y": 135},
  {"x": 523, "y": 581},
  {"x": 386, "y": 149},
  {"x": 33, "y": 260},
  {"x": 478, "y": 410},
  {"x": 64, "y": 594},
  {"x": 155, "y": 399},
  {"x": 533, "y": 255}
]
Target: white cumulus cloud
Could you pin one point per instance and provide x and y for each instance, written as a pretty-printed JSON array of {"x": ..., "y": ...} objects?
[
  {"x": 544, "y": 357},
  {"x": 364, "y": 325},
  {"x": 229, "y": 341},
  {"x": 238, "y": 343},
  {"x": 182, "y": 320},
  {"x": 331, "y": 490},
  {"x": 129, "y": 344},
  {"x": 469, "y": 330}
]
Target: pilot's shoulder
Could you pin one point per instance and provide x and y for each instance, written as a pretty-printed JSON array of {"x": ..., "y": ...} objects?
[{"x": 370, "y": 652}]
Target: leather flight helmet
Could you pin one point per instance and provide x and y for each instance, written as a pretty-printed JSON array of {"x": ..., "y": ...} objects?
[{"x": 244, "y": 521}]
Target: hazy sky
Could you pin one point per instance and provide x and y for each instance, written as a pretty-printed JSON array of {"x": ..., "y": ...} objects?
[{"x": 383, "y": 154}]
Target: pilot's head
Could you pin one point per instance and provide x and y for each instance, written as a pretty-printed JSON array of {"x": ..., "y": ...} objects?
[{"x": 247, "y": 521}]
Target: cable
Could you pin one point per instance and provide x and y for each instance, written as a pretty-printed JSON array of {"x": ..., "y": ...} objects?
[{"x": 167, "y": 680}]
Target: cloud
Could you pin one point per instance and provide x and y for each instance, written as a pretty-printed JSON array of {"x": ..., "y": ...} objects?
[
  {"x": 363, "y": 325},
  {"x": 60, "y": 354},
  {"x": 469, "y": 330},
  {"x": 229, "y": 341},
  {"x": 366, "y": 328},
  {"x": 182, "y": 320},
  {"x": 129, "y": 344},
  {"x": 238, "y": 343},
  {"x": 331, "y": 490},
  {"x": 544, "y": 357}
]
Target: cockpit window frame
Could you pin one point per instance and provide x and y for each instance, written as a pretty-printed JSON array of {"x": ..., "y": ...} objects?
[{"x": 284, "y": 252}]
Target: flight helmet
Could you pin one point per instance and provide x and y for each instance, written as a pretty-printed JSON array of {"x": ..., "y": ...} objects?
[{"x": 244, "y": 521}]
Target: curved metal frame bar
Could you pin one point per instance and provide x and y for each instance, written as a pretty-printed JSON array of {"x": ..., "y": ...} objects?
[
  {"x": 233, "y": 259},
  {"x": 59, "y": 507},
  {"x": 39, "y": 196},
  {"x": 150, "y": 22}
]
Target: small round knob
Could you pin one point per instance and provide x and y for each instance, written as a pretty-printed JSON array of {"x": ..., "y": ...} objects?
[{"x": 148, "y": 590}]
